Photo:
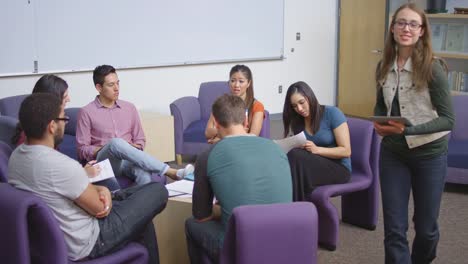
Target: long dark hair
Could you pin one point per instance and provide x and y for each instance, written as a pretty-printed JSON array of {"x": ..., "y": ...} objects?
[
  {"x": 294, "y": 121},
  {"x": 48, "y": 83},
  {"x": 249, "y": 96}
]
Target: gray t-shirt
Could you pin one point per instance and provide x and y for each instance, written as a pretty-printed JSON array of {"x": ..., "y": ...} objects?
[{"x": 58, "y": 180}]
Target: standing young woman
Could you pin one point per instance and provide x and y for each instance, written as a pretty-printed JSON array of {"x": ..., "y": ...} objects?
[
  {"x": 241, "y": 84},
  {"x": 325, "y": 158},
  {"x": 413, "y": 84}
]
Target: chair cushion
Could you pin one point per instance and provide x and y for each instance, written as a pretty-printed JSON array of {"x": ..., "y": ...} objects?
[
  {"x": 68, "y": 146},
  {"x": 195, "y": 132},
  {"x": 72, "y": 112},
  {"x": 458, "y": 154}
]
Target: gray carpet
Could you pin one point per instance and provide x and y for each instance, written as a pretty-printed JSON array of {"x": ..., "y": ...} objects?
[{"x": 360, "y": 246}]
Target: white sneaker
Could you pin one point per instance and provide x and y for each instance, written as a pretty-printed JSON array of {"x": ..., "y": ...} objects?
[{"x": 181, "y": 173}]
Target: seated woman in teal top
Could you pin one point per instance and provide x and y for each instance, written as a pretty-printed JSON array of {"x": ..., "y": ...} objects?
[{"x": 325, "y": 158}]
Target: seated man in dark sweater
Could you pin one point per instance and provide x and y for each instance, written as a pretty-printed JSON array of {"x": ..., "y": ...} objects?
[{"x": 241, "y": 169}]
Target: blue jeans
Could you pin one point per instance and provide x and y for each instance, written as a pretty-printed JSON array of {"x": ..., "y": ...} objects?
[
  {"x": 426, "y": 178},
  {"x": 130, "y": 162},
  {"x": 130, "y": 219},
  {"x": 204, "y": 238}
]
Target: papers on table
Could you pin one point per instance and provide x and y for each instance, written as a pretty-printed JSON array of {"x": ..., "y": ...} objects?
[
  {"x": 296, "y": 141},
  {"x": 178, "y": 188},
  {"x": 106, "y": 171}
]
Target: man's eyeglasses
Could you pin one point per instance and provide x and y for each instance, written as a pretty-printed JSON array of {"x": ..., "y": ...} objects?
[
  {"x": 64, "y": 119},
  {"x": 413, "y": 25}
]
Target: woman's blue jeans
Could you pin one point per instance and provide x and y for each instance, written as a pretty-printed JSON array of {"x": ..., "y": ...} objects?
[{"x": 426, "y": 179}]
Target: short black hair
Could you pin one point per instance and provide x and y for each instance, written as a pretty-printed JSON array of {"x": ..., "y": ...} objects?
[
  {"x": 36, "y": 112},
  {"x": 229, "y": 110},
  {"x": 100, "y": 73}
]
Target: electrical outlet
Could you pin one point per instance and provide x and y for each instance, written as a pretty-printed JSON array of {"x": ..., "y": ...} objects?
[
  {"x": 280, "y": 89},
  {"x": 298, "y": 36}
]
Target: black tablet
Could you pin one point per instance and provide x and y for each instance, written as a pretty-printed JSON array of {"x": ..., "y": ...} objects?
[{"x": 385, "y": 119}]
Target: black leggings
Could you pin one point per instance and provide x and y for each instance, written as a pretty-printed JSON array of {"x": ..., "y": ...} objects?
[{"x": 309, "y": 171}]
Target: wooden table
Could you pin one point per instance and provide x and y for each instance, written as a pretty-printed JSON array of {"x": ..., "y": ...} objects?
[{"x": 170, "y": 231}]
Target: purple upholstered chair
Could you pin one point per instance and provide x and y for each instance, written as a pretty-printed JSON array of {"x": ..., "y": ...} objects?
[
  {"x": 31, "y": 234},
  {"x": 8, "y": 129},
  {"x": 9, "y": 106},
  {"x": 274, "y": 233},
  {"x": 5, "y": 152},
  {"x": 458, "y": 144},
  {"x": 191, "y": 115},
  {"x": 360, "y": 196}
]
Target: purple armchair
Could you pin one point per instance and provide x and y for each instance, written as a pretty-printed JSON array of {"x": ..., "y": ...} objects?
[
  {"x": 8, "y": 129},
  {"x": 9, "y": 106},
  {"x": 30, "y": 233},
  {"x": 360, "y": 196},
  {"x": 191, "y": 115},
  {"x": 458, "y": 143},
  {"x": 5, "y": 152},
  {"x": 273, "y": 233}
]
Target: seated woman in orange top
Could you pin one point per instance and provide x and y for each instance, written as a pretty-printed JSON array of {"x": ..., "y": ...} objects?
[{"x": 241, "y": 84}]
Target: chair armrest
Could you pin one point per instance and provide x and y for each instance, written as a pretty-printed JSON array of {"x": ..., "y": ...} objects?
[
  {"x": 185, "y": 111},
  {"x": 265, "y": 132}
]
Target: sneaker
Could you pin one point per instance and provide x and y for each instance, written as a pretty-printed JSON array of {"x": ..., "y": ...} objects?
[{"x": 189, "y": 169}]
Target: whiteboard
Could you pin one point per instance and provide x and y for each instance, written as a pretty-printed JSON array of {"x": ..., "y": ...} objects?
[
  {"x": 76, "y": 35},
  {"x": 17, "y": 48}
]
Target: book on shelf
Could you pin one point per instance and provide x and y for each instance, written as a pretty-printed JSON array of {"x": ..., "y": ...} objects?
[
  {"x": 439, "y": 32},
  {"x": 455, "y": 37},
  {"x": 465, "y": 82},
  {"x": 458, "y": 81},
  {"x": 461, "y": 10}
]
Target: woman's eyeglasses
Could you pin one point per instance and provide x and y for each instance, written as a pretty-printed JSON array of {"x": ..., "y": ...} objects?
[
  {"x": 413, "y": 25},
  {"x": 64, "y": 119}
]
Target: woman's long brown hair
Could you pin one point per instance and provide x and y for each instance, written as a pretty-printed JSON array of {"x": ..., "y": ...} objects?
[{"x": 421, "y": 57}]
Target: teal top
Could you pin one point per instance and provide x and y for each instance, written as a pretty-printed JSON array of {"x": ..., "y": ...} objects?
[
  {"x": 240, "y": 170},
  {"x": 331, "y": 119}
]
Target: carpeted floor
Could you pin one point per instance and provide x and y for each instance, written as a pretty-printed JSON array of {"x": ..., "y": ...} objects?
[{"x": 360, "y": 246}]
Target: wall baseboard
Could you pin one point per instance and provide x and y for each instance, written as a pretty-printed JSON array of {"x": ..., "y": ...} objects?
[{"x": 276, "y": 116}]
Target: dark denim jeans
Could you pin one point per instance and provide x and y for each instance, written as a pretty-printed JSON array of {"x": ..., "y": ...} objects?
[
  {"x": 130, "y": 219},
  {"x": 425, "y": 178},
  {"x": 204, "y": 238}
]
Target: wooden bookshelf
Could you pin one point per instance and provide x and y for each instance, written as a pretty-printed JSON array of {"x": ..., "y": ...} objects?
[
  {"x": 452, "y": 55},
  {"x": 447, "y": 16},
  {"x": 458, "y": 93}
]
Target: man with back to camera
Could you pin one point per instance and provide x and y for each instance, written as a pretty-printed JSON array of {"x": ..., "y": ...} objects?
[
  {"x": 110, "y": 128},
  {"x": 224, "y": 170},
  {"x": 94, "y": 221}
]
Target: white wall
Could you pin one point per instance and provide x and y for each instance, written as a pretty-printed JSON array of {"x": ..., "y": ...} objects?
[{"x": 313, "y": 61}]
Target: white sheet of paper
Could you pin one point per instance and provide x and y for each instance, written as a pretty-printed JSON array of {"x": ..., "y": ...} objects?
[
  {"x": 182, "y": 186},
  {"x": 106, "y": 171},
  {"x": 175, "y": 193},
  {"x": 296, "y": 141}
]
